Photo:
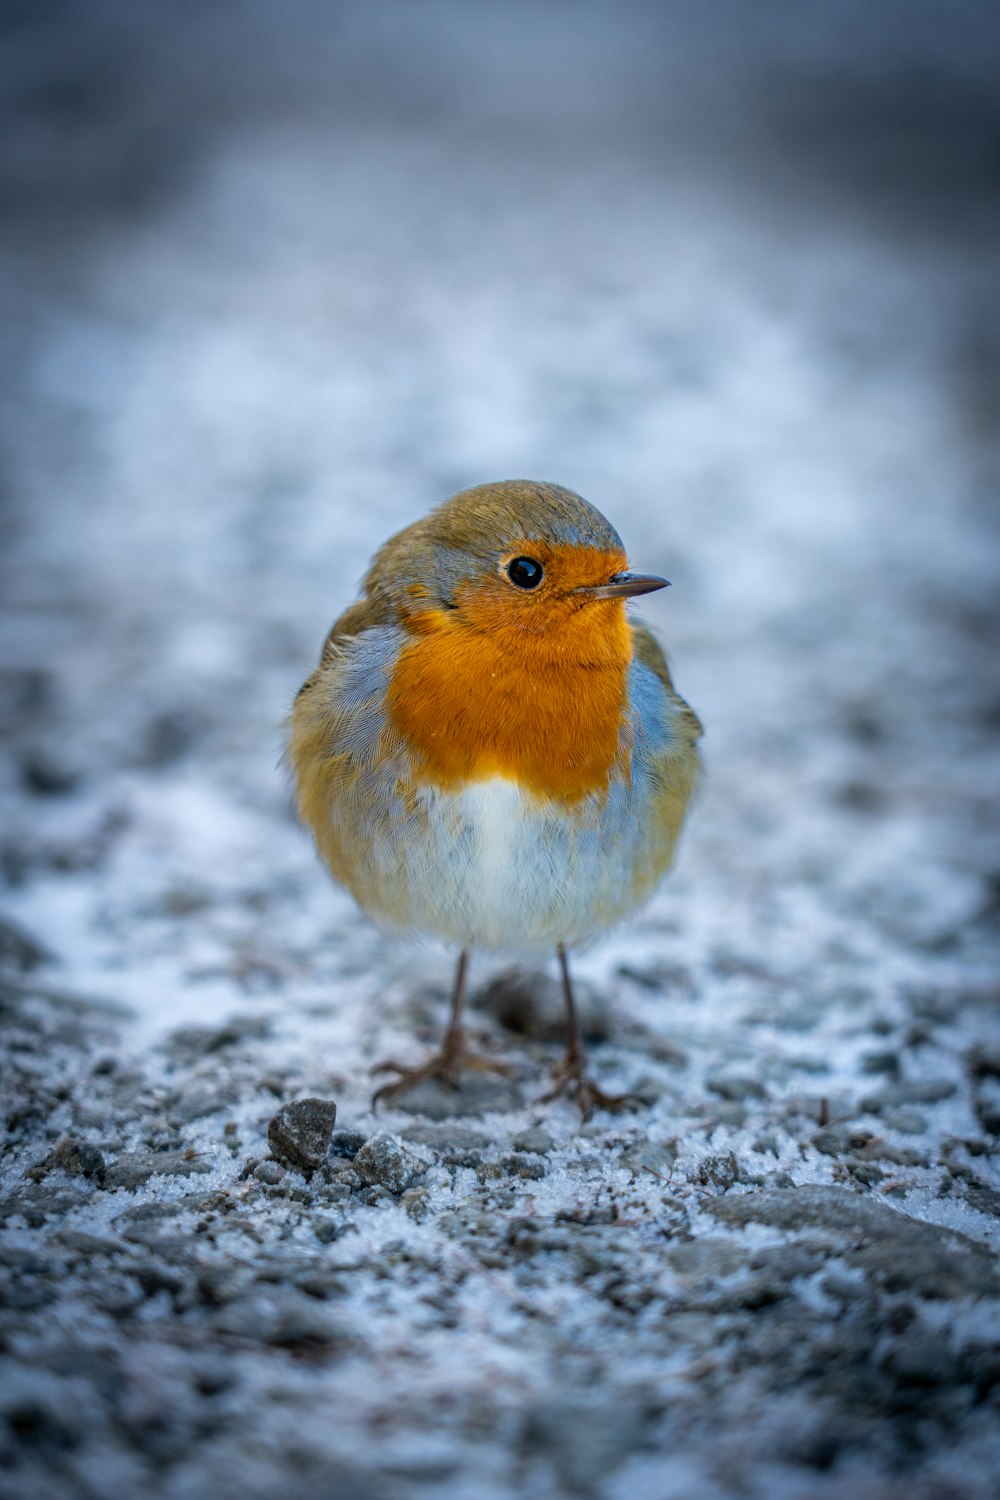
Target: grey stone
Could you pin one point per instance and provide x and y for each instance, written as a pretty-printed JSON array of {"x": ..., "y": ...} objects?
[
  {"x": 79, "y": 1158},
  {"x": 150, "y": 1212},
  {"x": 983, "y": 1198},
  {"x": 323, "y": 1282},
  {"x": 190, "y": 1043},
  {"x": 720, "y": 1169},
  {"x": 925, "y": 1091},
  {"x": 585, "y": 1439},
  {"x": 346, "y": 1144},
  {"x": 336, "y": 1180},
  {"x": 221, "y": 1282},
  {"x": 785, "y": 1262},
  {"x": 383, "y": 1162},
  {"x": 523, "y": 1164},
  {"x": 118, "y": 1296},
  {"x": 881, "y": 1149},
  {"x": 36, "y": 1203},
  {"x": 840, "y": 1140},
  {"x": 133, "y": 1168},
  {"x": 301, "y": 1132},
  {"x": 199, "y": 1101},
  {"x": 338, "y": 1192},
  {"x": 269, "y": 1172},
  {"x": 374, "y": 1196},
  {"x": 78, "y": 1242},
  {"x": 31, "y": 1259},
  {"x": 154, "y": 1276},
  {"x": 471, "y": 1222},
  {"x": 491, "y": 1171},
  {"x": 450, "y": 1141},
  {"x": 480, "y": 1094},
  {"x": 899, "y": 1253},
  {"x": 535, "y": 1139},
  {"x": 286, "y": 1265},
  {"x": 531, "y": 1004},
  {"x": 467, "y": 1157},
  {"x": 656, "y": 1157},
  {"x": 327, "y": 1229},
  {"x": 281, "y": 1316},
  {"x": 648, "y": 1090},
  {"x": 172, "y": 1245},
  {"x": 417, "y": 1203},
  {"x": 707, "y": 1258},
  {"x": 750, "y": 1292},
  {"x": 865, "y": 1172}
]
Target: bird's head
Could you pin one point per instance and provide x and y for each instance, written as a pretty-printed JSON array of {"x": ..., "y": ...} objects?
[{"x": 516, "y": 556}]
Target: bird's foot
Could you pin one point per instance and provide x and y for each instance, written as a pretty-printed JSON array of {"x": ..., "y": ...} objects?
[
  {"x": 447, "y": 1064},
  {"x": 571, "y": 1077}
]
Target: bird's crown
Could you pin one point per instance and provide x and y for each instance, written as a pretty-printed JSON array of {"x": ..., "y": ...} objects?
[{"x": 477, "y": 533}]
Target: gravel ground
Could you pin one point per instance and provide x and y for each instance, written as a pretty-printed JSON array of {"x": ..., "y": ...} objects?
[{"x": 273, "y": 280}]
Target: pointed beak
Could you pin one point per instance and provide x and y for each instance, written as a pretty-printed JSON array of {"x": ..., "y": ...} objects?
[{"x": 626, "y": 586}]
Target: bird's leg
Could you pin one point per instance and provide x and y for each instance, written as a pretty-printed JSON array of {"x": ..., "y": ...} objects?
[
  {"x": 571, "y": 1075},
  {"x": 453, "y": 1055}
]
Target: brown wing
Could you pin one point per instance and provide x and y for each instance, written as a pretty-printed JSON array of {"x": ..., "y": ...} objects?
[
  {"x": 649, "y": 651},
  {"x": 359, "y": 616}
]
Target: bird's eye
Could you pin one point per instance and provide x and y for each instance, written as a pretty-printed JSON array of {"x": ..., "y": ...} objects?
[{"x": 525, "y": 573}]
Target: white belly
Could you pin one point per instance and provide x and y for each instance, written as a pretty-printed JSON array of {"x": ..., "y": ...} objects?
[{"x": 492, "y": 867}]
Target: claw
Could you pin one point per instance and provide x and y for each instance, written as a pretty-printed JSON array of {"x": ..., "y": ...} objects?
[
  {"x": 571, "y": 1077},
  {"x": 446, "y": 1065}
]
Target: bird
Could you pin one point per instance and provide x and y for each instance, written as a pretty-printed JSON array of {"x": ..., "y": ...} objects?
[{"x": 491, "y": 752}]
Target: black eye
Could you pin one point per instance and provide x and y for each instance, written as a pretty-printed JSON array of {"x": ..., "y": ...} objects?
[{"x": 525, "y": 572}]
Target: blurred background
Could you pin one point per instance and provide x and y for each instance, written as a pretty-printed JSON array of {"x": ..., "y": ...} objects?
[
  {"x": 274, "y": 279},
  {"x": 277, "y": 278}
]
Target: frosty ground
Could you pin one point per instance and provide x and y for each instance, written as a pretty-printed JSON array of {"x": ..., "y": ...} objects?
[{"x": 272, "y": 289}]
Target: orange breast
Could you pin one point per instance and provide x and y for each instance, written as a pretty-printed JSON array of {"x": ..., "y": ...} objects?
[{"x": 543, "y": 707}]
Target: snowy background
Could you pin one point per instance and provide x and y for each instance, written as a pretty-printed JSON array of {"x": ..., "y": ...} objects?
[{"x": 275, "y": 279}]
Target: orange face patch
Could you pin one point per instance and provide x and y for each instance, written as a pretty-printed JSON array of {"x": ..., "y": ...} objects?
[
  {"x": 529, "y": 685},
  {"x": 493, "y": 602}
]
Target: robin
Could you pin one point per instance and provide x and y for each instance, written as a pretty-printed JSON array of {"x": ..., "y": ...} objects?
[{"x": 490, "y": 751}]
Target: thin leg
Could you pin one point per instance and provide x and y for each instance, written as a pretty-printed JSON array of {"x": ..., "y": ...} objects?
[
  {"x": 453, "y": 1036},
  {"x": 574, "y": 1043},
  {"x": 453, "y": 1055},
  {"x": 571, "y": 1074}
]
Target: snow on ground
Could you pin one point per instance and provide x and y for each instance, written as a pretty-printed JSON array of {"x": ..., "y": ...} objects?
[{"x": 275, "y": 280}]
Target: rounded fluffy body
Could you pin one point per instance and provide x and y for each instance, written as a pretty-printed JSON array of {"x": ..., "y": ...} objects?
[{"x": 506, "y": 769}]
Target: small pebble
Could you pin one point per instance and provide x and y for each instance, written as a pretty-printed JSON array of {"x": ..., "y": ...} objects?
[
  {"x": 383, "y": 1162},
  {"x": 534, "y": 1139},
  {"x": 79, "y": 1158},
  {"x": 300, "y": 1133}
]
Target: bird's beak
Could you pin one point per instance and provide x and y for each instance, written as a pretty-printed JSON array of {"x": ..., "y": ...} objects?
[{"x": 626, "y": 586}]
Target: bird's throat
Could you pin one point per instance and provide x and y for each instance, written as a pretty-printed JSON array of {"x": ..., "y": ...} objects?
[{"x": 546, "y": 710}]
